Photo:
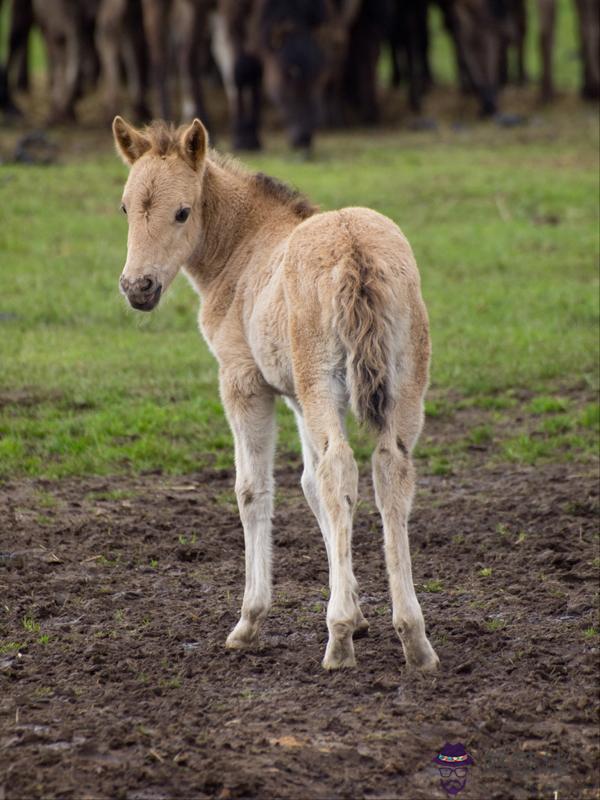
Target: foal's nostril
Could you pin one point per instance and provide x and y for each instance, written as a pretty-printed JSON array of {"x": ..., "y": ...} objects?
[{"x": 146, "y": 284}]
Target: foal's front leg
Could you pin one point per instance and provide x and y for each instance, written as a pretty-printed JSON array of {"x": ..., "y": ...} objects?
[{"x": 252, "y": 421}]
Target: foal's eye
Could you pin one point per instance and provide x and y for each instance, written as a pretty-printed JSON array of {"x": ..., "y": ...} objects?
[
  {"x": 123, "y": 209},
  {"x": 182, "y": 214}
]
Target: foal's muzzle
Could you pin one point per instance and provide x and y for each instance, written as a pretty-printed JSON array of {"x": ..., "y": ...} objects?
[{"x": 143, "y": 293}]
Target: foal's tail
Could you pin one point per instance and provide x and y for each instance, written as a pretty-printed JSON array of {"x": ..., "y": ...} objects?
[{"x": 364, "y": 325}]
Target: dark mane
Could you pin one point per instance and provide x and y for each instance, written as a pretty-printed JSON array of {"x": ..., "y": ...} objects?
[
  {"x": 286, "y": 195},
  {"x": 164, "y": 139},
  {"x": 270, "y": 187}
]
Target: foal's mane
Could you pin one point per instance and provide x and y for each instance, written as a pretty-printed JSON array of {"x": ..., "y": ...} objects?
[{"x": 164, "y": 140}]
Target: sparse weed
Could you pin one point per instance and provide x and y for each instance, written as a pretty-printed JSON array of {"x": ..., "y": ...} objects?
[
  {"x": 495, "y": 624},
  {"x": 10, "y": 647},
  {"x": 30, "y": 625},
  {"x": 433, "y": 586}
]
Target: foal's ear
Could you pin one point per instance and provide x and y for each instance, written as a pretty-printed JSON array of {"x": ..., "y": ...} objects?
[
  {"x": 131, "y": 144},
  {"x": 193, "y": 144}
]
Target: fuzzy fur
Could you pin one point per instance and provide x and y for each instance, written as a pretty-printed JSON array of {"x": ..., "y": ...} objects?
[{"x": 321, "y": 308}]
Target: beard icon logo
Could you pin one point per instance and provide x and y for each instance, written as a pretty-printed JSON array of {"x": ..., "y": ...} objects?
[{"x": 453, "y": 764}]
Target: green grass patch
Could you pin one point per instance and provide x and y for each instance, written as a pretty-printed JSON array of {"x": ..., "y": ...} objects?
[
  {"x": 30, "y": 625},
  {"x": 10, "y": 647},
  {"x": 438, "y": 408},
  {"x": 104, "y": 561},
  {"x": 433, "y": 586},
  {"x": 88, "y": 386},
  {"x": 482, "y": 434},
  {"x": 547, "y": 405},
  {"x": 183, "y": 539},
  {"x": 495, "y": 624},
  {"x": 557, "y": 424},
  {"x": 46, "y": 499},
  {"x": 590, "y": 417},
  {"x": 550, "y": 445},
  {"x": 110, "y": 494}
]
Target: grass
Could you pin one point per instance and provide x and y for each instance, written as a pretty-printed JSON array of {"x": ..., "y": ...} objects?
[
  {"x": 30, "y": 625},
  {"x": 10, "y": 647},
  {"x": 432, "y": 586},
  {"x": 547, "y": 405},
  {"x": 495, "y": 624},
  {"x": 504, "y": 225},
  {"x": 89, "y": 386},
  {"x": 183, "y": 539},
  {"x": 110, "y": 494}
]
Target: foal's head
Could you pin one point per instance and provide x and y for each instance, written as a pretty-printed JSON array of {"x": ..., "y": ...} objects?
[{"x": 162, "y": 203}]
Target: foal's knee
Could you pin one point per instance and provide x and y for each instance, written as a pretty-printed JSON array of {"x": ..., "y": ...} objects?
[{"x": 253, "y": 497}]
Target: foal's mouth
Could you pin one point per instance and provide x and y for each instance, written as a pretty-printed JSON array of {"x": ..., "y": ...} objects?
[{"x": 148, "y": 303}]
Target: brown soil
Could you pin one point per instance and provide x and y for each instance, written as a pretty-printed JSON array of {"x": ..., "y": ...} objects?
[{"x": 136, "y": 582}]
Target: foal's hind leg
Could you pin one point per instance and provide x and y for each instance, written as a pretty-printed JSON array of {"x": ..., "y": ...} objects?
[
  {"x": 337, "y": 488},
  {"x": 252, "y": 420},
  {"x": 310, "y": 487},
  {"x": 393, "y": 477}
]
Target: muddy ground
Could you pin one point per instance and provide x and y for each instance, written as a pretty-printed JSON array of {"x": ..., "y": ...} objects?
[{"x": 117, "y": 596}]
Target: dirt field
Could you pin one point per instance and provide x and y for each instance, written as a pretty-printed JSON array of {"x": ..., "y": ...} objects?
[{"x": 118, "y": 596}]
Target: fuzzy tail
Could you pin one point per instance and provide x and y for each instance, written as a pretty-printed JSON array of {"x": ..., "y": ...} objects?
[{"x": 363, "y": 326}]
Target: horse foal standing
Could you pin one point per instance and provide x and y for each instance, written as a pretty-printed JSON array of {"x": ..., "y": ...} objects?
[{"x": 324, "y": 309}]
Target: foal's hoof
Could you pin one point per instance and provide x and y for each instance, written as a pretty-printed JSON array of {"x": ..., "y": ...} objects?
[
  {"x": 339, "y": 655},
  {"x": 425, "y": 661},
  {"x": 235, "y": 643},
  {"x": 241, "y": 638}
]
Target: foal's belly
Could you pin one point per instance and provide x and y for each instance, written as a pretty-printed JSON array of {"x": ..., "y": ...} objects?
[
  {"x": 272, "y": 357},
  {"x": 267, "y": 334},
  {"x": 276, "y": 373}
]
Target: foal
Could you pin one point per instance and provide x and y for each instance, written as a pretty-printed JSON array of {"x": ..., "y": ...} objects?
[{"x": 323, "y": 309}]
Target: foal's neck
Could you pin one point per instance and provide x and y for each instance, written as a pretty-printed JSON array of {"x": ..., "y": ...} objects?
[{"x": 232, "y": 213}]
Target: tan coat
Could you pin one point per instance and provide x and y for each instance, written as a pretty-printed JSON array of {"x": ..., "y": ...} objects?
[{"x": 323, "y": 309}]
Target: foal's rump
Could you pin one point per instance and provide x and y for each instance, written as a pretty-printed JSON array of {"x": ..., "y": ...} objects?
[{"x": 354, "y": 296}]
